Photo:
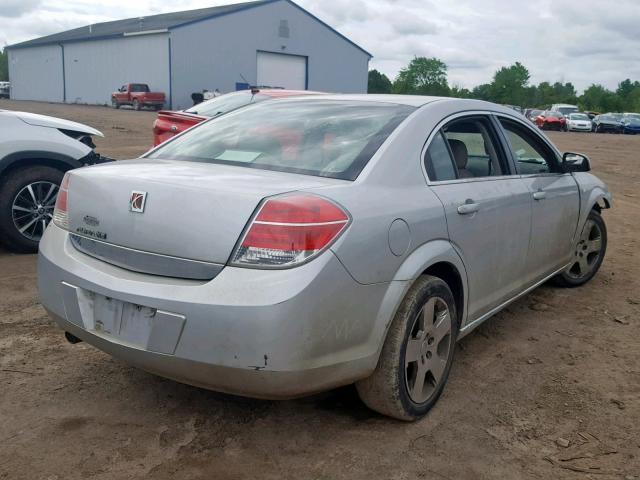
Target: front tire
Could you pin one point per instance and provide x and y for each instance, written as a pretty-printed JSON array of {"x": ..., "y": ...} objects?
[
  {"x": 417, "y": 354},
  {"x": 27, "y": 199},
  {"x": 115, "y": 104},
  {"x": 588, "y": 254},
  {"x": 136, "y": 105}
]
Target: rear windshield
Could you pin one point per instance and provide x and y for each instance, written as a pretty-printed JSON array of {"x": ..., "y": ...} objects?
[
  {"x": 225, "y": 103},
  {"x": 314, "y": 137}
]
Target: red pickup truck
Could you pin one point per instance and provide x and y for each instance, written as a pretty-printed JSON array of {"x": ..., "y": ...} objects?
[{"x": 137, "y": 95}]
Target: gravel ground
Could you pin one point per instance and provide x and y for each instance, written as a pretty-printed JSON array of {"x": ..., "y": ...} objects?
[{"x": 549, "y": 388}]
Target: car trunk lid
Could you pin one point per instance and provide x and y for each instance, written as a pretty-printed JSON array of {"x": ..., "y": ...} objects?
[{"x": 190, "y": 210}]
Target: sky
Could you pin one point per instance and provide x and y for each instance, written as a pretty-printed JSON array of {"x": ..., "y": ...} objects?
[{"x": 581, "y": 41}]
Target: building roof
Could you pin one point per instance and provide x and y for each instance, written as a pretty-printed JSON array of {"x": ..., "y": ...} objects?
[{"x": 155, "y": 24}]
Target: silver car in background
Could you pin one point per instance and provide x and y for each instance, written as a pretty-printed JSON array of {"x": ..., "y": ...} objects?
[
  {"x": 296, "y": 246},
  {"x": 579, "y": 122}
]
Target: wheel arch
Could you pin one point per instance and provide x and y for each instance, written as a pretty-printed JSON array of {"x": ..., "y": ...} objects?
[
  {"x": 438, "y": 258},
  {"x": 598, "y": 199},
  {"x": 448, "y": 273},
  {"x": 601, "y": 203},
  {"x": 24, "y": 159}
]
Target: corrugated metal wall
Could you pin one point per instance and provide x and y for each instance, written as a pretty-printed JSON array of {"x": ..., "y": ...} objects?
[
  {"x": 219, "y": 52},
  {"x": 36, "y": 73},
  {"x": 92, "y": 70},
  {"x": 95, "y": 69},
  {"x": 215, "y": 53}
]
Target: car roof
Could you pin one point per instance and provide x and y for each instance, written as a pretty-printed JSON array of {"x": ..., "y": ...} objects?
[
  {"x": 411, "y": 100},
  {"x": 280, "y": 92}
]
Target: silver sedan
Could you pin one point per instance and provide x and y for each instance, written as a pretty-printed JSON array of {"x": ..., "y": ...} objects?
[{"x": 285, "y": 249}]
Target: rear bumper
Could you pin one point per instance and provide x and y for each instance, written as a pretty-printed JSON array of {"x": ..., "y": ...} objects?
[{"x": 259, "y": 333}]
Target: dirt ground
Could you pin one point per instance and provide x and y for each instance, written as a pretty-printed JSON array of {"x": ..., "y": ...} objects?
[{"x": 558, "y": 366}]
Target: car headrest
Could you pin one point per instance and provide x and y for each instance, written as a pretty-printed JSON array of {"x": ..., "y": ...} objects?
[{"x": 460, "y": 153}]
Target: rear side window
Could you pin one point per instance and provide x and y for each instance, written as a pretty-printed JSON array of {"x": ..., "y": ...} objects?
[
  {"x": 139, "y": 87},
  {"x": 466, "y": 148},
  {"x": 326, "y": 138},
  {"x": 438, "y": 160},
  {"x": 475, "y": 149}
]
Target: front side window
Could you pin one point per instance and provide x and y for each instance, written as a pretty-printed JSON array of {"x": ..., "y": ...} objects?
[
  {"x": 531, "y": 155},
  {"x": 325, "y": 138}
]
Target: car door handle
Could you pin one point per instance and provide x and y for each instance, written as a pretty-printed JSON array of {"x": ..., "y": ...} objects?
[
  {"x": 539, "y": 195},
  {"x": 467, "y": 208}
]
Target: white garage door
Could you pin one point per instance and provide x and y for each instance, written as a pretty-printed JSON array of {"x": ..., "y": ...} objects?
[{"x": 281, "y": 70}]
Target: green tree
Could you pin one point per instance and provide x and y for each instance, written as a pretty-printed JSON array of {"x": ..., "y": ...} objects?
[
  {"x": 460, "y": 92},
  {"x": 598, "y": 98},
  {"x": 632, "y": 103},
  {"x": 626, "y": 89},
  {"x": 378, "y": 82},
  {"x": 4, "y": 65},
  {"x": 482, "y": 92},
  {"x": 423, "y": 76},
  {"x": 509, "y": 85}
]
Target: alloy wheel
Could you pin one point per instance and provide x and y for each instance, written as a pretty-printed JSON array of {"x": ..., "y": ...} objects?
[
  {"x": 32, "y": 208},
  {"x": 427, "y": 350},
  {"x": 588, "y": 251}
]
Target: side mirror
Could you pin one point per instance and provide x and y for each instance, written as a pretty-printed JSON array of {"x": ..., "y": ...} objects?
[{"x": 575, "y": 162}]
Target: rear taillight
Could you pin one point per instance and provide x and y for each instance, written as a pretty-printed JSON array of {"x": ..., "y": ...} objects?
[
  {"x": 290, "y": 230},
  {"x": 61, "y": 212}
]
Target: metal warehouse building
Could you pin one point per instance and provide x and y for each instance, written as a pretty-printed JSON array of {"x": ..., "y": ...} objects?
[{"x": 268, "y": 42}]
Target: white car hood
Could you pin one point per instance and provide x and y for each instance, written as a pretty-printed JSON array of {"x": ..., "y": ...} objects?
[{"x": 52, "y": 122}]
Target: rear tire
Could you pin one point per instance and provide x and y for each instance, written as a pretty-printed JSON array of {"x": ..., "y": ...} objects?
[
  {"x": 16, "y": 211},
  {"x": 588, "y": 254},
  {"x": 417, "y": 354}
]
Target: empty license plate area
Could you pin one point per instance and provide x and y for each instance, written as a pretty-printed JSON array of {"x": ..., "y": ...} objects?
[
  {"x": 127, "y": 321},
  {"x": 123, "y": 322}
]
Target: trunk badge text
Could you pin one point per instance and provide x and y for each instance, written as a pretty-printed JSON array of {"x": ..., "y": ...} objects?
[
  {"x": 91, "y": 221},
  {"x": 137, "y": 201}
]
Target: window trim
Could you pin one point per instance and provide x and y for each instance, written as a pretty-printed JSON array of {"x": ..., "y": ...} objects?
[
  {"x": 537, "y": 135},
  {"x": 499, "y": 133},
  {"x": 427, "y": 157}
]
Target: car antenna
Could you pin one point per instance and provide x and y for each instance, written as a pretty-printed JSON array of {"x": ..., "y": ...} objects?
[{"x": 253, "y": 89}]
